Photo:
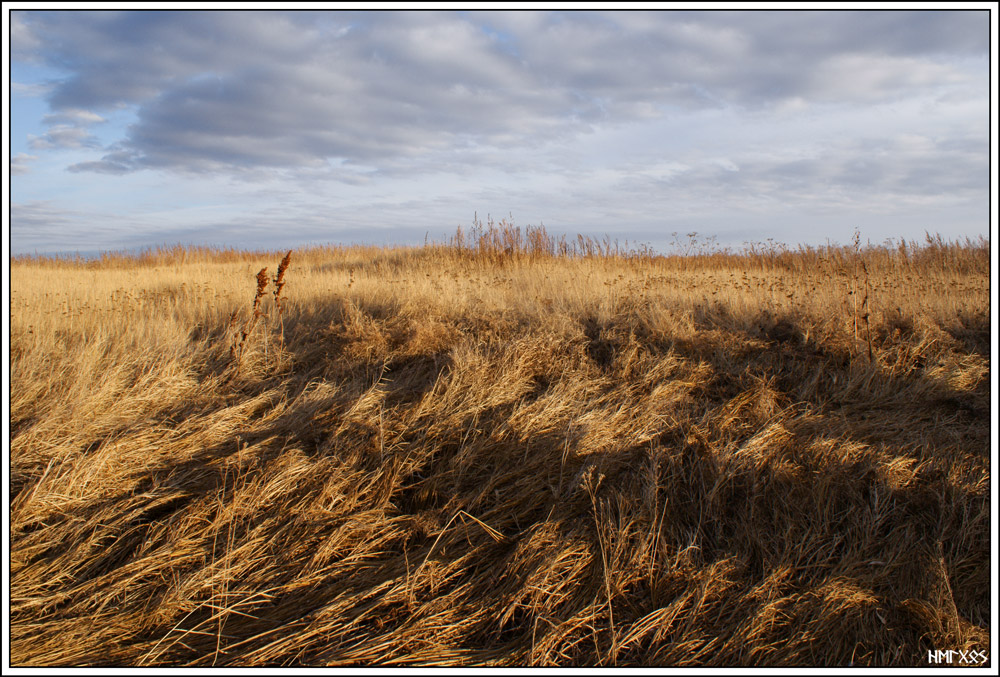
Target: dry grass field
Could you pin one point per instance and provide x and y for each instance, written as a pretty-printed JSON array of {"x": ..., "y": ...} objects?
[{"x": 506, "y": 449}]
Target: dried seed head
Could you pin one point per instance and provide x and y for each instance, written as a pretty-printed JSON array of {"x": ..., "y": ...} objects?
[
  {"x": 261, "y": 282},
  {"x": 279, "y": 280}
]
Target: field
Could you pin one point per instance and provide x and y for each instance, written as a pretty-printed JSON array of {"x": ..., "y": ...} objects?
[{"x": 506, "y": 449}]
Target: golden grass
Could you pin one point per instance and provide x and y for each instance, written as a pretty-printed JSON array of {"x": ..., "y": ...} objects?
[{"x": 503, "y": 450}]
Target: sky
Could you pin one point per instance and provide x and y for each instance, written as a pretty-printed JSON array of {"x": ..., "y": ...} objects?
[{"x": 279, "y": 129}]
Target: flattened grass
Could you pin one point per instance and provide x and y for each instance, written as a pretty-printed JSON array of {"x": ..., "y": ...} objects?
[{"x": 501, "y": 454}]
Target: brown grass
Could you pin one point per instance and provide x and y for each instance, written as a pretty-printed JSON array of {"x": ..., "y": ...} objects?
[
  {"x": 509, "y": 449},
  {"x": 279, "y": 285}
]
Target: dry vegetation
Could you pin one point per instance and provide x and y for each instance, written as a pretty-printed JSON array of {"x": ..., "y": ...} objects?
[{"x": 503, "y": 450}]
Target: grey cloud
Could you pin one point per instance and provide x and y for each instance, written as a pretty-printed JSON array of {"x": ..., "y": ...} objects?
[
  {"x": 41, "y": 214},
  {"x": 229, "y": 90},
  {"x": 24, "y": 43},
  {"x": 890, "y": 174},
  {"x": 67, "y": 129},
  {"x": 880, "y": 171},
  {"x": 43, "y": 226},
  {"x": 20, "y": 163},
  {"x": 63, "y": 136},
  {"x": 743, "y": 58},
  {"x": 900, "y": 33},
  {"x": 113, "y": 163},
  {"x": 31, "y": 90}
]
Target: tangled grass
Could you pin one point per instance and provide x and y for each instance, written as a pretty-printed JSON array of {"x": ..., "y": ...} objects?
[{"x": 503, "y": 450}]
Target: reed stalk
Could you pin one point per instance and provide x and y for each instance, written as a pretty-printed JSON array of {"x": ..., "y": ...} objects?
[
  {"x": 239, "y": 346},
  {"x": 279, "y": 284}
]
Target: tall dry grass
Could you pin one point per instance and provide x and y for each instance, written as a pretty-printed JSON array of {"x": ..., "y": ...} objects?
[{"x": 506, "y": 449}]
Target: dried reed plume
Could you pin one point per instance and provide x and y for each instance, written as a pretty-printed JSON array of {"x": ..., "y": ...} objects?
[
  {"x": 279, "y": 283},
  {"x": 239, "y": 346}
]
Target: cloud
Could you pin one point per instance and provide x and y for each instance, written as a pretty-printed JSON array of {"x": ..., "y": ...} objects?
[
  {"x": 19, "y": 164},
  {"x": 30, "y": 90},
  {"x": 67, "y": 129},
  {"x": 72, "y": 116},
  {"x": 227, "y": 91},
  {"x": 869, "y": 77},
  {"x": 326, "y": 126},
  {"x": 113, "y": 163},
  {"x": 757, "y": 58},
  {"x": 63, "y": 136},
  {"x": 44, "y": 226},
  {"x": 25, "y": 44}
]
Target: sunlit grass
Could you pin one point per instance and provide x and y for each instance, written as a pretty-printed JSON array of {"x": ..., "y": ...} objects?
[{"x": 506, "y": 449}]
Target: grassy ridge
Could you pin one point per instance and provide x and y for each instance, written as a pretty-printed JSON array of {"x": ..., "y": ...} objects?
[{"x": 503, "y": 450}]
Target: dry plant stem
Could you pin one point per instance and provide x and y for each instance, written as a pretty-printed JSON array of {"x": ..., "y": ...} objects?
[
  {"x": 279, "y": 285},
  {"x": 240, "y": 346},
  {"x": 854, "y": 279},
  {"x": 865, "y": 310}
]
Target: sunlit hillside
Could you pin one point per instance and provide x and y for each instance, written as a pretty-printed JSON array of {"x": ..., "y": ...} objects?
[{"x": 507, "y": 449}]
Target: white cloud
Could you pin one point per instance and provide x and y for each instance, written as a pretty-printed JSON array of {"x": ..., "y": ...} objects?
[
  {"x": 20, "y": 163},
  {"x": 63, "y": 136},
  {"x": 73, "y": 116},
  {"x": 31, "y": 90},
  {"x": 877, "y": 77},
  {"x": 726, "y": 164}
]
